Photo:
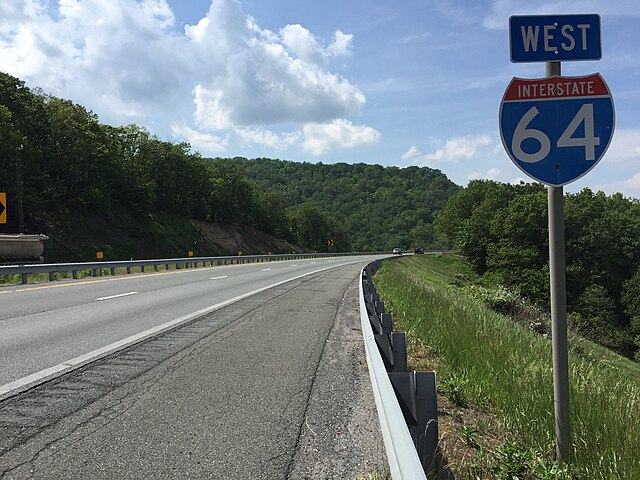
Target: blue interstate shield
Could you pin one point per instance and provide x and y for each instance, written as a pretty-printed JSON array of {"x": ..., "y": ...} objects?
[{"x": 557, "y": 129}]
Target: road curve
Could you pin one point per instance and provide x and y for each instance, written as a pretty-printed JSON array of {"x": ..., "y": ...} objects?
[
  {"x": 227, "y": 396},
  {"x": 46, "y": 325}
]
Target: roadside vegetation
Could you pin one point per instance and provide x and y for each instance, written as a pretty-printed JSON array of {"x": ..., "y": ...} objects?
[
  {"x": 502, "y": 369},
  {"x": 502, "y": 232}
]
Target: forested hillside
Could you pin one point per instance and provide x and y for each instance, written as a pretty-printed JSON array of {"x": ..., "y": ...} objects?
[
  {"x": 66, "y": 162},
  {"x": 502, "y": 230},
  {"x": 380, "y": 208}
]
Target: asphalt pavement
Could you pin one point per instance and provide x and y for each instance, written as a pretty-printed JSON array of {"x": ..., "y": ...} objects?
[
  {"x": 45, "y": 325},
  {"x": 272, "y": 386}
]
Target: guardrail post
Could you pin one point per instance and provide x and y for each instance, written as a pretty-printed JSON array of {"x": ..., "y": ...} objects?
[
  {"x": 387, "y": 322},
  {"x": 378, "y": 305},
  {"x": 416, "y": 392},
  {"x": 25, "y": 278},
  {"x": 94, "y": 272},
  {"x": 155, "y": 267},
  {"x": 74, "y": 274},
  {"x": 141, "y": 268},
  {"x": 399, "y": 346},
  {"x": 52, "y": 276},
  {"x": 386, "y": 350},
  {"x": 128, "y": 270},
  {"x": 427, "y": 427},
  {"x": 113, "y": 270}
]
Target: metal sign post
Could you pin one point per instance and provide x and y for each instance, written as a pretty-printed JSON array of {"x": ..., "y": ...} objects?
[
  {"x": 555, "y": 197},
  {"x": 556, "y": 130}
]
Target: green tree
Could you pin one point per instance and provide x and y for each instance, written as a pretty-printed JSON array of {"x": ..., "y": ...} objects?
[{"x": 311, "y": 228}]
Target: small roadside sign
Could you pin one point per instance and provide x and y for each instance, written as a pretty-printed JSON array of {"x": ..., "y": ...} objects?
[
  {"x": 329, "y": 243},
  {"x": 554, "y": 38},
  {"x": 3, "y": 208},
  {"x": 99, "y": 255},
  {"x": 190, "y": 253},
  {"x": 556, "y": 129}
]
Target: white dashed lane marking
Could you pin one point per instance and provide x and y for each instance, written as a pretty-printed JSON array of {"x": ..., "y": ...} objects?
[{"x": 117, "y": 296}]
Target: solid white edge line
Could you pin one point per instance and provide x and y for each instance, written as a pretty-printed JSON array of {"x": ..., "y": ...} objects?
[
  {"x": 25, "y": 383},
  {"x": 117, "y": 296},
  {"x": 265, "y": 269},
  {"x": 218, "y": 278}
]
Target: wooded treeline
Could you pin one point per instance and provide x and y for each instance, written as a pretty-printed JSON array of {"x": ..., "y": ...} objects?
[
  {"x": 380, "y": 207},
  {"x": 502, "y": 230},
  {"x": 67, "y": 160}
]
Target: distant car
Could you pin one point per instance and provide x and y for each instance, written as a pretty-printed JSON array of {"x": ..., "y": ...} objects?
[
  {"x": 397, "y": 251},
  {"x": 418, "y": 251}
]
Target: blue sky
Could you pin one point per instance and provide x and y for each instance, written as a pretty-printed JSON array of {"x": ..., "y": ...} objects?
[{"x": 390, "y": 82}]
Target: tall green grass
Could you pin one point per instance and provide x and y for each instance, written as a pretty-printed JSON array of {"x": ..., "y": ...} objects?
[{"x": 509, "y": 369}]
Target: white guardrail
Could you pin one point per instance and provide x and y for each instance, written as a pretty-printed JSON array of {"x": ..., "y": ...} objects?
[
  {"x": 97, "y": 268},
  {"x": 404, "y": 463}
]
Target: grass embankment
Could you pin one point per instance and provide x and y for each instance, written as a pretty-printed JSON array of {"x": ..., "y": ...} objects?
[{"x": 507, "y": 369}]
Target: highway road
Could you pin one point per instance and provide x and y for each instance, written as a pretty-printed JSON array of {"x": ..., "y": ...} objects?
[
  {"x": 226, "y": 395},
  {"x": 48, "y": 324}
]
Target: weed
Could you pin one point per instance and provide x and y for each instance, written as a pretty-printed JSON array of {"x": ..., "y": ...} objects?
[
  {"x": 512, "y": 462},
  {"x": 456, "y": 414},
  {"x": 470, "y": 435},
  {"x": 453, "y": 388}
]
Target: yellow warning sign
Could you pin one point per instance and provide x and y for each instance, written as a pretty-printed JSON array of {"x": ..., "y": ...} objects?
[{"x": 3, "y": 207}]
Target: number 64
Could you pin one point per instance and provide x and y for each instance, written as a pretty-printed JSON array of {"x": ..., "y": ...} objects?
[{"x": 589, "y": 141}]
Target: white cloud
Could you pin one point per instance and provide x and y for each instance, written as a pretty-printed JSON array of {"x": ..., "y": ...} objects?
[
  {"x": 452, "y": 150},
  {"x": 203, "y": 141},
  {"x": 268, "y": 138},
  {"x": 127, "y": 60},
  {"x": 262, "y": 78},
  {"x": 629, "y": 187},
  {"x": 410, "y": 154},
  {"x": 341, "y": 45},
  {"x": 94, "y": 51},
  {"x": 198, "y": 31},
  {"x": 624, "y": 148},
  {"x": 341, "y": 133},
  {"x": 491, "y": 174},
  {"x": 302, "y": 43}
]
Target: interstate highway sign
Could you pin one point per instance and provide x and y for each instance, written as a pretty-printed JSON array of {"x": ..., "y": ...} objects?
[
  {"x": 557, "y": 129},
  {"x": 551, "y": 38}
]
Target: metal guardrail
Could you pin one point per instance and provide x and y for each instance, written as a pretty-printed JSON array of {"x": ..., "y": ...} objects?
[
  {"x": 405, "y": 401},
  {"x": 188, "y": 262}
]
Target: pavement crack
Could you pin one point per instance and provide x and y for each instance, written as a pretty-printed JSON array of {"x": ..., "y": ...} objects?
[{"x": 313, "y": 381}]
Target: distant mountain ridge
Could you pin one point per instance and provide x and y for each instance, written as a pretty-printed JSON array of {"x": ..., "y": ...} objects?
[{"x": 380, "y": 207}]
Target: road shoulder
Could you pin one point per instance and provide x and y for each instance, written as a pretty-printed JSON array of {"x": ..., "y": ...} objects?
[{"x": 340, "y": 436}]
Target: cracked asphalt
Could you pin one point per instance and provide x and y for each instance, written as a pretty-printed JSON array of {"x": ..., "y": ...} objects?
[{"x": 273, "y": 387}]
